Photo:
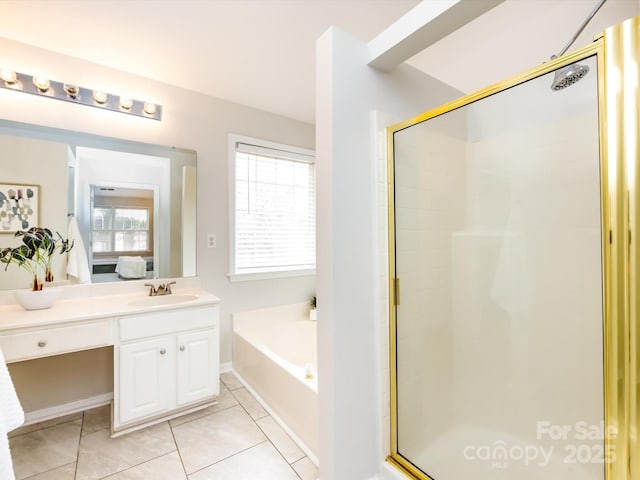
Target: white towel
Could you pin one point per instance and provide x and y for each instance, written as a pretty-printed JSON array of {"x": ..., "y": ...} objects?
[
  {"x": 77, "y": 262},
  {"x": 11, "y": 417},
  {"x": 131, "y": 267}
]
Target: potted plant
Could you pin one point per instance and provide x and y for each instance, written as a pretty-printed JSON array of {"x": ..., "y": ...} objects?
[
  {"x": 313, "y": 314},
  {"x": 35, "y": 255}
]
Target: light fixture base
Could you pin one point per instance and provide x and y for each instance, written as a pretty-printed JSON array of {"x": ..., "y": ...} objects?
[{"x": 83, "y": 96}]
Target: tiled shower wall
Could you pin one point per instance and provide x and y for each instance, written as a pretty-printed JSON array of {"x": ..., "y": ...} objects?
[{"x": 424, "y": 192}]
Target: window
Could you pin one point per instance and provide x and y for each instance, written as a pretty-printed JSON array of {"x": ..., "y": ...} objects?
[
  {"x": 119, "y": 230},
  {"x": 273, "y": 209}
]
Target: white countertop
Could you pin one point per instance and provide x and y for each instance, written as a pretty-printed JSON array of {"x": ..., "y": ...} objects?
[{"x": 87, "y": 302}]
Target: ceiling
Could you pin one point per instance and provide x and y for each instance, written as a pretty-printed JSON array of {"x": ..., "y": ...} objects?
[
  {"x": 514, "y": 36},
  {"x": 261, "y": 53}
]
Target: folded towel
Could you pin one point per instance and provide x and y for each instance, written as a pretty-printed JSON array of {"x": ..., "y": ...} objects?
[
  {"x": 77, "y": 262},
  {"x": 131, "y": 267},
  {"x": 11, "y": 417}
]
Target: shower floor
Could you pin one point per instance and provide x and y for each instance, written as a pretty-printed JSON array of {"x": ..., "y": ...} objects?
[{"x": 472, "y": 453}]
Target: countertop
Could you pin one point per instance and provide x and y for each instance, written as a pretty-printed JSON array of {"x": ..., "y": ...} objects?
[{"x": 96, "y": 303}]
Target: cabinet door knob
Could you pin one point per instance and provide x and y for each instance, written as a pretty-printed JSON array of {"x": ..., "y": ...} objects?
[
  {"x": 163, "y": 351},
  {"x": 42, "y": 344},
  {"x": 182, "y": 348}
]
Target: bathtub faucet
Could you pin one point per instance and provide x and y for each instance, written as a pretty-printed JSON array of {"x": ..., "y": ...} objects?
[{"x": 162, "y": 289}]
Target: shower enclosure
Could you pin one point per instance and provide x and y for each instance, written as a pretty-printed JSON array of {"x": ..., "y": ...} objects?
[{"x": 514, "y": 266}]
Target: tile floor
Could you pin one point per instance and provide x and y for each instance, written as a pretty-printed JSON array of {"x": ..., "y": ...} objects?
[{"x": 233, "y": 440}]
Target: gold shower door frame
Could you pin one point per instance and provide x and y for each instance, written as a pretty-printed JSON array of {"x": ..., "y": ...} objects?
[{"x": 618, "y": 55}]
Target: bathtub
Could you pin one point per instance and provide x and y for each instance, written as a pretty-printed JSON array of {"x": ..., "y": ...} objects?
[{"x": 275, "y": 357}]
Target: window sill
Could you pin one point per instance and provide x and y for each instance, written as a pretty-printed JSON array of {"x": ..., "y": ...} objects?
[{"x": 243, "y": 277}]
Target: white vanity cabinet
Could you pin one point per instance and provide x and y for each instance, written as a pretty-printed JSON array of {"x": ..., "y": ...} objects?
[
  {"x": 197, "y": 366},
  {"x": 165, "y": 347},
  {"x": 25, "y": 344},
  {"x": 165, "y": 363},
  {"x": 145, "y": 372}
]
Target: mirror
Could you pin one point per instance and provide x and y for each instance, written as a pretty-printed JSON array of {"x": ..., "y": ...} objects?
[{"x": 133, "y": 203}]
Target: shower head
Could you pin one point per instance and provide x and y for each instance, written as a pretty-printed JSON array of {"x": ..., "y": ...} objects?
[{"x": 567, "y": 76}]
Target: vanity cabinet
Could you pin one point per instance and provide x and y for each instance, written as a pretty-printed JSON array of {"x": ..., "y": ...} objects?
[
  {"x": 145, "y": 373},
  {"x": 165, "y": 348},
  {"x": 197, "y": 365},
  {"x": 37, "y": 343},
  {"x": 166, "y": 362}
]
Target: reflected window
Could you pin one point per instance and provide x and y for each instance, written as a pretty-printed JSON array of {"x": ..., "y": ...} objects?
[
  {"x": 121, "y": 222},
  {"x": 118, "y": 230}
]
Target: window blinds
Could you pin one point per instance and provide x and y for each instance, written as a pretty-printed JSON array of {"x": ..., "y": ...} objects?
[{"x": 274, "y": 210}]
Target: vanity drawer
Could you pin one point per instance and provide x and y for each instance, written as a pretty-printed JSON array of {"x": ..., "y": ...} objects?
[
  {"x": 53, "y": 341},
  {"x": 171, "y": 321}
]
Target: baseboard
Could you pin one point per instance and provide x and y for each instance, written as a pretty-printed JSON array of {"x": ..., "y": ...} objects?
[
  {"x": 225, "y": 367},
  {"x": 163, "y": 417},
  {"x": 67, "y": 408},
  {"x": 279, "y": 421}
]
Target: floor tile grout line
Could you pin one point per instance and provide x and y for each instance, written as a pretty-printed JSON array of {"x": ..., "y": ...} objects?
[
  {"x": 173, "y": 435},
  {"x": 234, "y": 389},
  {"x": 255, "y": 421},
  {"x": 296, "y": 472},
  {"x": 266, "y": 440},
  {"x": 46, "y": 471},
  {"x": 47, "y": 427},
  {"x": 136, "y": 465},
  {"x": 299, "y": 474},
  {"x": 245, "y": 408},
  {"x": 228, "y": 387},
  {"x": 203, "y": 416},
  {"x": 275, "y": 446},
  {"x": 75, "y": 470},
  {"x": 81, "y": 418}
]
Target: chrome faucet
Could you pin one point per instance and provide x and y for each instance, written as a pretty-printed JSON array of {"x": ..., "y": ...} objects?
[{"x": 162, "y": 289}]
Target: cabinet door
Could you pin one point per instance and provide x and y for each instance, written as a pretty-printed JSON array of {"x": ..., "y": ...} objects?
[
  {"x": 197, "y": 366},
  {"x": 147, "y": 378}
]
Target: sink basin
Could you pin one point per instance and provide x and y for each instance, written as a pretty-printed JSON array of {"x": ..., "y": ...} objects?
[{"x": 162, "y": 300}]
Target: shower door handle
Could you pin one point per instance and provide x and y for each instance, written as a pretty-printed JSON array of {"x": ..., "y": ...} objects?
[{"x": 396, "y": 291}]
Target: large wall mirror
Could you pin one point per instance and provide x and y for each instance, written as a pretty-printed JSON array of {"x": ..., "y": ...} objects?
[{"x": 129, "y": 206}]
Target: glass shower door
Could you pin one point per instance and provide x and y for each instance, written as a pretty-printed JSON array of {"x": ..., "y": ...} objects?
[{"x": 498, "y": 252}]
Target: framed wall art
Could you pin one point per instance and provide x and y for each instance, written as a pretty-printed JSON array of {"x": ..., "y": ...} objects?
[{"x": 19, "y": 207}]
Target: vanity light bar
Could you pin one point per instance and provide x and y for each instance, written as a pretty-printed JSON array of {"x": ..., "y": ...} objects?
[{"x": 41, "y": 86}]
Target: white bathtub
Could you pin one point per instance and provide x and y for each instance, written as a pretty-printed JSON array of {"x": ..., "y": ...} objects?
[{"x": 275, "y": 355}]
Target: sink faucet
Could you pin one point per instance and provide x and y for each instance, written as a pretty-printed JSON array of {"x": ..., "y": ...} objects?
[{"x": 162, "y": 289}]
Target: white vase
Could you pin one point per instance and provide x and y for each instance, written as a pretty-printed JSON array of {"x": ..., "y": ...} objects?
[
  {"x": 37, "y": 300},
  {"x": 313, "y": 314}
]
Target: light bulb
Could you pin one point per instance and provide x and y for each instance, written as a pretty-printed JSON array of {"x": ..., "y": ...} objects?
[
  {"x": 99, "y": 97},
  {"x": 41, "y": 83},
  {"x": 9, "y": 76},
  {"x": 126, "y": 103},
  {"x": 72, "y": 90},
  {"x": 150, "y": 108}
]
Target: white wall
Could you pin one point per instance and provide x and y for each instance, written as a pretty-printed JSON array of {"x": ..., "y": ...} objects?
[
  {"x": 349, "y": 265},
  {"x": 42, "y": 163},
  {"x": 190, "y": 120}
]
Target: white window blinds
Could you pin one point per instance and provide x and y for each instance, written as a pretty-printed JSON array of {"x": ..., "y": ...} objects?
[{"x": 274, "y": 210}]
